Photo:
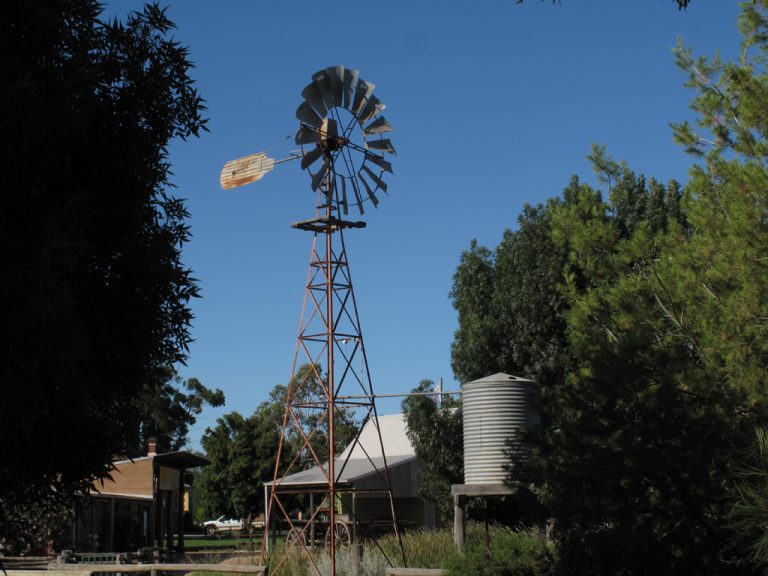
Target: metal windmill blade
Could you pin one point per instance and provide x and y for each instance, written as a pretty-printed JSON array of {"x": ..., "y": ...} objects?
[
  {"x": 383, "y": 144},
  {"x": 336, "y": 77},
  {"x": 378, "y": 126},
  {"x": 307, "y": 135},
  {"x": 307, "y": 115},
  {"x": 379, "y": 161},
  {"x": 371, "y": 109},
  {"x": 322, "y": 80},
  {"x": 319, "y": 176},
  {"x": 310, "y": 157},
  {"x": 312, "y": 95},
  {"x": 362, "y": 93},
  {"x": 375, "y": 178},
  {"x": 350, "y": 84}
]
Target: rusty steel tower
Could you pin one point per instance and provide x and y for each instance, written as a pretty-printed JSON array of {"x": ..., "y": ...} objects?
[{"x": 343, "y": 150}]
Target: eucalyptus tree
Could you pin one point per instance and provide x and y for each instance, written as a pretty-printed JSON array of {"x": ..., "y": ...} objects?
[{"x": 94, "y": 294}]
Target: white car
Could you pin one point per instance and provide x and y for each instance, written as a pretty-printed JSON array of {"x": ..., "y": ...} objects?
[{"x": 222, "y": 524}]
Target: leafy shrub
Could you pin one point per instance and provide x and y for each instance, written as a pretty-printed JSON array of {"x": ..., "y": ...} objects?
[
  {"x": 508, "y": 553},
  {"x": 296, "y": 564},
  {"x": 423, "y": 548}
]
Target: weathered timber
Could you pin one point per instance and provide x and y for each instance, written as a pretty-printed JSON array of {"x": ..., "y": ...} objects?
[
  {"x": 88, "y": 569},
  {"x": 392, "y": 571}
]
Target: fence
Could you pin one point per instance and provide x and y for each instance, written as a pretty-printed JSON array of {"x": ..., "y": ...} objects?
[
  {"x": 415, "y": 572},
  {"x": 152, "y": 569},
  {"x": 24, "y": 562}
]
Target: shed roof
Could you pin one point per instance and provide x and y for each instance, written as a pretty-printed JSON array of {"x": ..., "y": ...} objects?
[
  {"x": 397, "y": 448},
  {"x": 393, "y": 437},
  {"x": 181, "y": 460},
  {"x": 354, "y": 470}
]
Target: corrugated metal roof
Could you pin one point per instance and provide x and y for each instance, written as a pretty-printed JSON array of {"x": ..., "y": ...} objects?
[
  {"x": 393, "y": 437},
  {"x": 397, "y": 447},
  {"x": 356, "y": 469}
]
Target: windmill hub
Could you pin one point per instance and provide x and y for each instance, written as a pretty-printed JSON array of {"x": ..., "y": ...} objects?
[{"x": 333, "y": 144}]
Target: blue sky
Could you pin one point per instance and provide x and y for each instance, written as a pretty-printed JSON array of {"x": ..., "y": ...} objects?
[{"x": 494, "y": 104}]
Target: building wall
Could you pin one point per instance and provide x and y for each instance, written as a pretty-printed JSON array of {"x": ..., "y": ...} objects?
[
  {"x": 409, "y": 508},
  {"x": 403, "y": 477},
  {"x": 129, "y": 478},
  {"x": 113, "y": 524},
  {"x": 121, "y": 514},
  {"x": 375, "y": 509}
]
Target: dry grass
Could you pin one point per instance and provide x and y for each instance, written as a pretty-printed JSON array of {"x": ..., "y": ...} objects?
[{"x": 423, "y": 549}]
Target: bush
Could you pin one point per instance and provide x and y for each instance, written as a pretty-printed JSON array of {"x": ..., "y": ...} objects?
[
  {"x": 508, "y": 553},
  {"x": 423, "y": 548},
  {"x": 296, "y": 564}
]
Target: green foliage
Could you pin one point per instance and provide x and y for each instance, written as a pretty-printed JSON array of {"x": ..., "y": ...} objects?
[
  {"x": 471, "y": 295},
  {"x": 615, "y": 460},
  {"x": 749, "y": 515},
  {"x": 95, "y": 295},
  {"x": 422, "y": 548},
  {"x": 712, "y": 285},
  {"x": 507, "y": 553},
  {"x": 607, "y": 169},
  {"x": 717, "y": 279},
  {"x": 243, "y": 451},
  {"x": 437, "y": 437},
  {"x": 172, "y": 408},
  {"x": 512, "y": 313},
  {"x": 511, "y": 322},
  {"x": 636, "y": 443},
  {"x": 295, "y": 563},
  {"x": 656, "y": 306},
  {"x": 306, "y": 389},
  {"x": 372, "y": 563},
  {"x": 511, "y": 550}
]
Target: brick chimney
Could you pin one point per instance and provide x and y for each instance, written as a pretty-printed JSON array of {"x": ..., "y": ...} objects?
[{"x": 152, "y": 448}]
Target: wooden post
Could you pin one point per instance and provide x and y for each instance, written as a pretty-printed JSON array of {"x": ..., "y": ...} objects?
[
  {"x": 354, "y": 517},
  {"x": 312, "y": 521},
  {"x": 110, "y": 543},
  {"x": 180, "y": 528},
  {"x": 459, "y": 502},
  {"x": 273, "y": 530},
  {"x": 267, "y": 519},
  {"x": 461, "y": 493},
  {"x": 156, "y": 537},
  {"x": 168, "y": 526}
]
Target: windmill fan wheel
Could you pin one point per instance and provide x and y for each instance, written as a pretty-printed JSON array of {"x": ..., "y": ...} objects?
[{"x": 342, "y": 127}]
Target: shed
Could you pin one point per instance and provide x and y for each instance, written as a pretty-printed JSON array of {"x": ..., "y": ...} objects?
[{"x": 360, "y": 474}]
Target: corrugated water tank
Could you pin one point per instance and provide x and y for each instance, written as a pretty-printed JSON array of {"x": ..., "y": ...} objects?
[{"x": 494, "y": 409}]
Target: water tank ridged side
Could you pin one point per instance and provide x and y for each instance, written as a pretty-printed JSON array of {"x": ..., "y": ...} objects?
[{"x": 494, "y": 409}]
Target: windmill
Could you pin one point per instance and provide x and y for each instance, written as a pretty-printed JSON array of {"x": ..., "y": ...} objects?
[{"x": 343, "y": 149}]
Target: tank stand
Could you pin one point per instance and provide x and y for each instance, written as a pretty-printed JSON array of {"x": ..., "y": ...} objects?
[{"x": 461, "y": 494}]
